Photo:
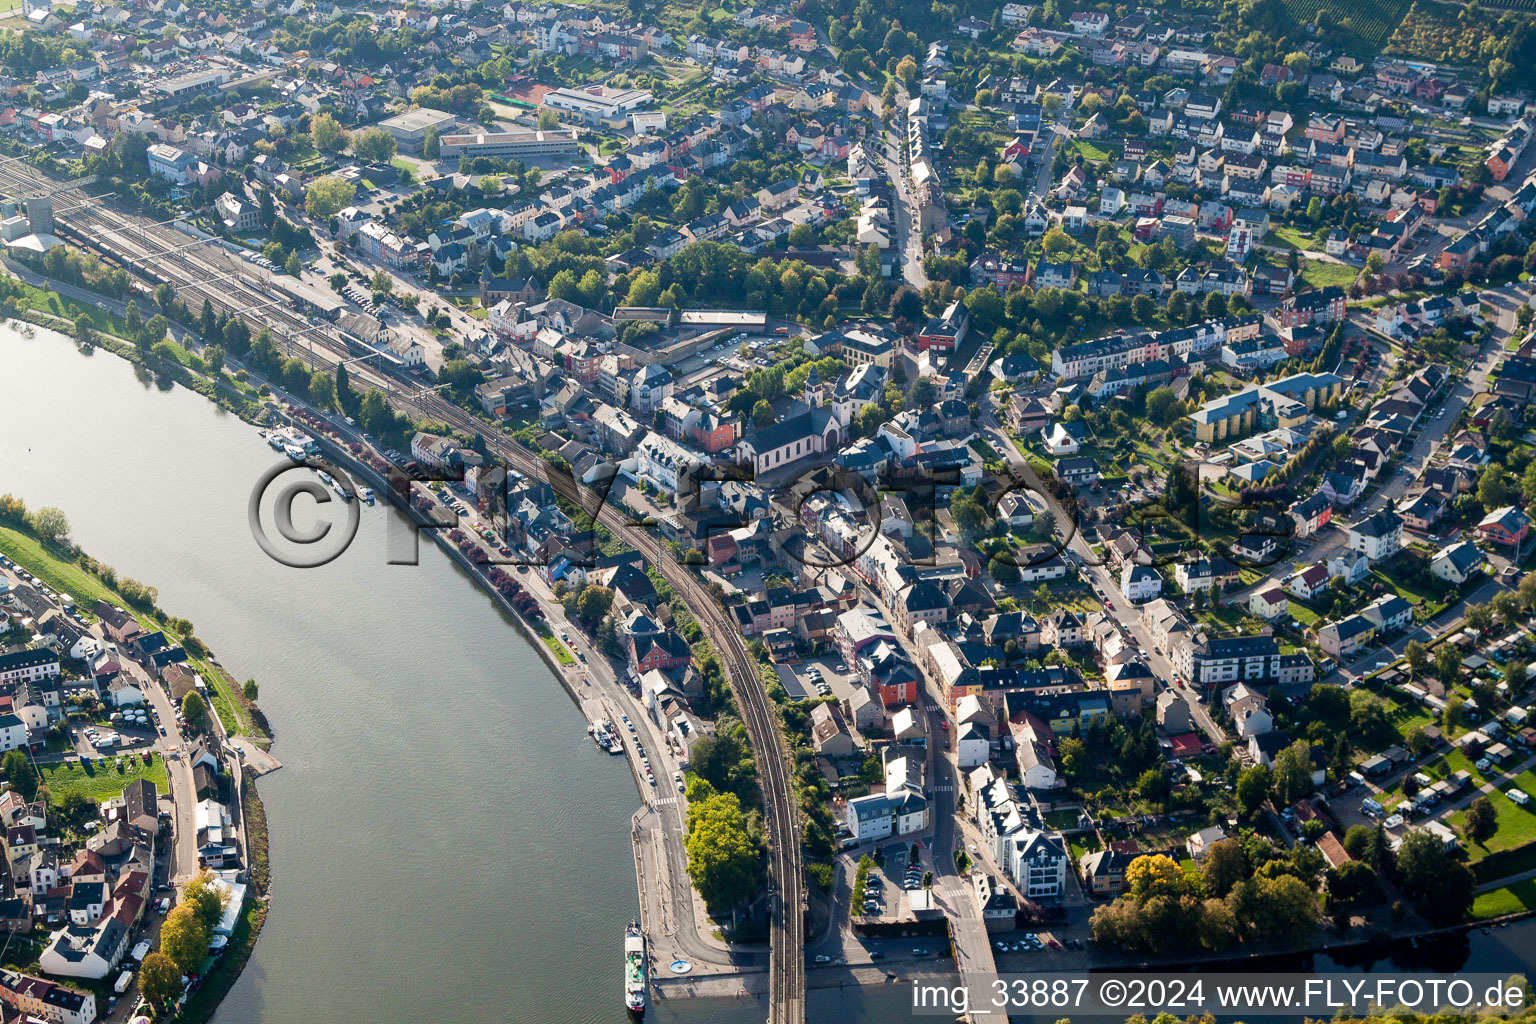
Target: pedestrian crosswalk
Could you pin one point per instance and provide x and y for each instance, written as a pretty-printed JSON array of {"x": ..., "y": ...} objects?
[{"x": 666, "y": 801}]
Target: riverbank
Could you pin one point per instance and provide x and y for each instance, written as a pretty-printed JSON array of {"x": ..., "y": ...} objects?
[
  {"x": 713, "y": 972},
  {"x": 68, "y": 570}
]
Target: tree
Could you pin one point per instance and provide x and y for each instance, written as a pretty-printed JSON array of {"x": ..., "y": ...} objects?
[
  {"x": 1447, "y": 665},
  {"x": 1225, "y": 865},
  {"x": 1253, "y": 787},
  {"x": 723, "y": 854},
  {"x": 327, "y": 134},
  {"x": 762, "y": 413},
  {"x": 184, "y": 937},
  {"x": 1442, "y": 886},
  {"x": 1152, "y": 786},
  {"x": 1056, "y": 242},
  {"x": 1421, "y": 859},
  {"x": 195, "y": 710},
  {"x": 50, "y": 524},
  {"x": 1353, "y": 882},
  {"x": 327, "y": 196},
  {"x": 375, "y": 145},
  {"x": 1493, "y": 491},
  {"x": 1453, "y": 712},
  {"x": 802, "y": 236},
  {"x": 1161, "y": 403},
  {"x": 548, "y": 120},
  {"x": 1284, "y": 909},
  {"x": 1154, "y": 875},
  {"x": 292, "y": 266},
  {"x": 1418, "y": 657},
  {"x": 20, "y": 774},
  {"x": 84, "y": 330},
  {"x": 594, "y": 603},
  {"x": 133, "y": 320},
  {"x": 1292, "y": 773},
  {"x": 206, "y": 897},
  {"x": 159, "y": 980},
  {"x": 431, "y": 145},
  {"x": 1482, "y": 821},
  {"x": 268, "y": 210},
  {"x": 1515, "y": 674}
]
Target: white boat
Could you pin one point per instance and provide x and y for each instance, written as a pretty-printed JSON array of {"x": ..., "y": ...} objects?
[
  {"x": 294, "y": 452},
  {"x": 368, "y": 495},
  {"x": 276, "y": 440},
  {"x": 341, "y": 489},
  {"x": 634, "y": 969}
]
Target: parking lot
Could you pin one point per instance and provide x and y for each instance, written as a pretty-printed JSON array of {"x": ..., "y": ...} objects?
[
  {"x": 885, "y": 889},
  {"x": 825, "y": 676}
]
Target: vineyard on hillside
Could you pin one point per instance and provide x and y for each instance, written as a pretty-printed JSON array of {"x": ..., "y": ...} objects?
[{"x": 1371, "y": 22}]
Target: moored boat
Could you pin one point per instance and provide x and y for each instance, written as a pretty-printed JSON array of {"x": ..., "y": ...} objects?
[{"x": 634, "y": 969}]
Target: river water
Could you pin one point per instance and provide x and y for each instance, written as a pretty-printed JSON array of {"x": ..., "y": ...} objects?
[{"x": 447, "y": 845}]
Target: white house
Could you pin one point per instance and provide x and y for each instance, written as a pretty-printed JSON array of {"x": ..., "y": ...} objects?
[
  {"x": 1140, "y": 582},
  {"x": 85, "y": 952},
  {"x": 1059, "y": 441},
  {"x": 973, "y": 744},
  {"x": 1268, "y": 604},
  {"x": 13, "y": 733},
  {"x": 1037, "y": 862},
  {"x": 1456, "y": 563},
  {"x": 1378, "y": 536}
]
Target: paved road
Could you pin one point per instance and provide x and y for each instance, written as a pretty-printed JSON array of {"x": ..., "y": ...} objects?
[
  {"x": 909, "y": 243},
  {"x": 1099, "y": 576},
  {"x": 952, "y": 890}
]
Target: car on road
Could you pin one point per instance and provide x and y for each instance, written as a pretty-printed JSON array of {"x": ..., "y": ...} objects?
[
  {"x": 823, "y": 959},
  {"x": 919, "y": 952}
]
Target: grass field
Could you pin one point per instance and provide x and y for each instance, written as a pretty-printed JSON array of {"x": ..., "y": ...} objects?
[
  {"x": 221, "y": 696},
  {"x": 562, "y": 655},
  {"x": 1291, "y": 238},
  {"x": 1302, "y": 614},
  {"x": 99, "y": 783},
  {"x": 65, "y": 577},
  {"x": 1321, "y": 274},
  {"x": 1517, "y": 826},
  {"x": 1091, "y": 151},
  {"x": 1508, "y": 899}
]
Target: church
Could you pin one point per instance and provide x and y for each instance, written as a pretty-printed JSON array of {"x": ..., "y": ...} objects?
[{"x": 813, "y": 431}]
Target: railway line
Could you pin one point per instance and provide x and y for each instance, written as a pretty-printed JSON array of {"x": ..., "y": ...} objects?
[{"x": 197, "y": 271}]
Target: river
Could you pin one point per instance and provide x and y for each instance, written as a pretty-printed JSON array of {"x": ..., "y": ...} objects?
[{"x": 446, "y": 843}]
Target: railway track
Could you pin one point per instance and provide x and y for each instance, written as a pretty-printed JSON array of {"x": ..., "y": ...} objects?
[{"x": 196, "y": 272}]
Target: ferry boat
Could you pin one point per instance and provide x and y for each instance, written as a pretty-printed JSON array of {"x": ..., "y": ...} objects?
[{"x": 634, "y": 969}]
